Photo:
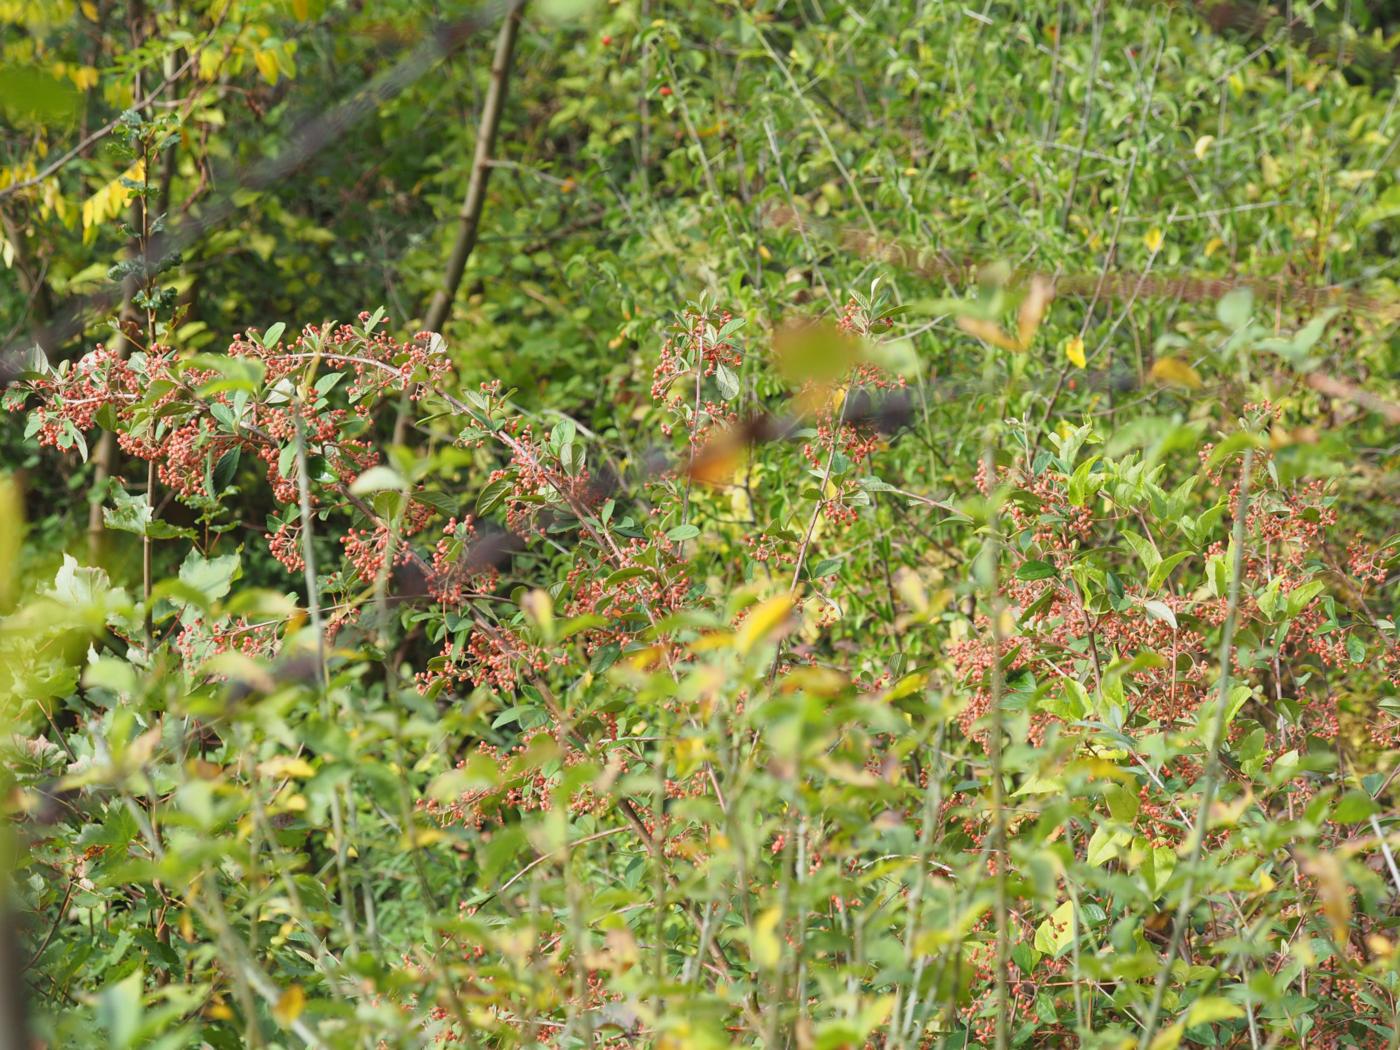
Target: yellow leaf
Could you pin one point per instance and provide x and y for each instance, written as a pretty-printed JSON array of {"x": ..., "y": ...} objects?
[
  {"x": 539, "y": 607},
  {"x": 1169, "y": 1038},
  {"x": 1074, "y": 350},
  {"x": 911, "y": 590},
  {"x": 1176, "y": 372},
  {"x": 302, "y": 9},
  {"x": 427, "y": 836},
  {"x": 108, "y": 202},
  {"x": 1269, "y": 168},
  {"x": 89, "y": 10},
  {"x": 988, "y": 332},
  {"x": 286, "y": 766},
  {"x": 764, "y": 945},
  {"x": 266, "y": 62},
  {"x": 761, "y": 622},
  {"x": 1054, "y": 934},
  {"x": 289, "y": 1005},
  {"x": 1212, "y": 1008},
  {"x": 1333, "y": 891},
  {"x": 1202, "y": 145},
  {"x": 210, "y": 60},
  {"x": 1213, "y": 245},
  {"x": 1154, "y": 240},
  {"x": 1032, "y": 310}
]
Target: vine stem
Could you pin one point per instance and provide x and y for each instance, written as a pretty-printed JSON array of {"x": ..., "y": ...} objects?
[
  {"x": 313, "y": 610},
  {"x": 994, "y": 746},
  {"x": 1211, "y": 781}
]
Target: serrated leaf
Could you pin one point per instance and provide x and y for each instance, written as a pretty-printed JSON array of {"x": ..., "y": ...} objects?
[{"x": 132, "y": 513}]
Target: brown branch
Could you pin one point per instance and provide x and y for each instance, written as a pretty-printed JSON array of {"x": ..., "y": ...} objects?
[
  {"x": 1345, "y": 391},
  {"x": 469, "y": 219},
  {"x": 1121, "y": 285}
]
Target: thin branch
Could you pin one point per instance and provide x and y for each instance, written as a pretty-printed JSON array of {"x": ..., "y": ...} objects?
[{"x": 469, "y": 219}]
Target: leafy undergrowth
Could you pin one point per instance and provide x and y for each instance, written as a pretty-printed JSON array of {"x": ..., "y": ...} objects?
[
  {"x": 758, "y": 616},
  {"x": 653, "y": 747}
]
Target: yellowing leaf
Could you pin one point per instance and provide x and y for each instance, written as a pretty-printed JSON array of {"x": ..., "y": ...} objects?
[
  {"x": 1202, "y": 145},
  {"x": 911, "y": 589},
  {"x": 764, "y": 946},
  {"x": 1032, "y": 310},
  {"x": 539, "y": 607},
  {"x": 266, "y": 62},
  {"x": 1213, "y": 245},
  {"x": 108, "y": 202},
  {"x": 761, "y": 622},
  {"x": 1074, "y": 350},
  {"x": 1153, "y": 239},
  {"x": 286, "y": 766},
  {"x": 988, "y": 332},
  {"x": 1212, "y": 1008},
  {"x": 289, "y": 1005},
  {"x": 210, "y": 59},
  {"x": 1054, "y": 934},
  {"x": 1176, "y": 372},
  {"x": 1333, "y": 891},
  {"x": 1169, "y": 1038}
]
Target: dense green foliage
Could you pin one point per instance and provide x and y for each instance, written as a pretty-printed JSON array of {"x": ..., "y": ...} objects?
[{"x": 894, "y": 543}]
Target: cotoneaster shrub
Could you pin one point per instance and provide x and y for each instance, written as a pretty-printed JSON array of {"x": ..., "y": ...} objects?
[{"x": 663, "y": 739}]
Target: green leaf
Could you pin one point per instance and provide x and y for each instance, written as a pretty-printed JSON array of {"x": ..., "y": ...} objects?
[
  {"x": 1211, "y": 1008},
  {"x": 378, "y": 479},
  {"x": 1036, "y": 570},
  {"x": 1164, "y": 567},
  {"x": 727, "y": 381},
  {"x": 1354, "y": 807},
  {"x": 1234, "y": 308},
  {"x": 492, "y": 496},
  {"x": 35, "y": 96},
  {"x": 1054, "y": 935},
  {"x": 119, "y": 1009},
  {"x": 211, "y": 577},
  {"x": 1356, "y": 649},
  {"x": 132, "y": 512},
  {"x": 1160, "y": 611},
  {"x": 683, "y": 532}
]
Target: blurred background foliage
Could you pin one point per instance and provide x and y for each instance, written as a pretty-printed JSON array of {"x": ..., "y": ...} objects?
[{"x": 773, "y": 159}]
